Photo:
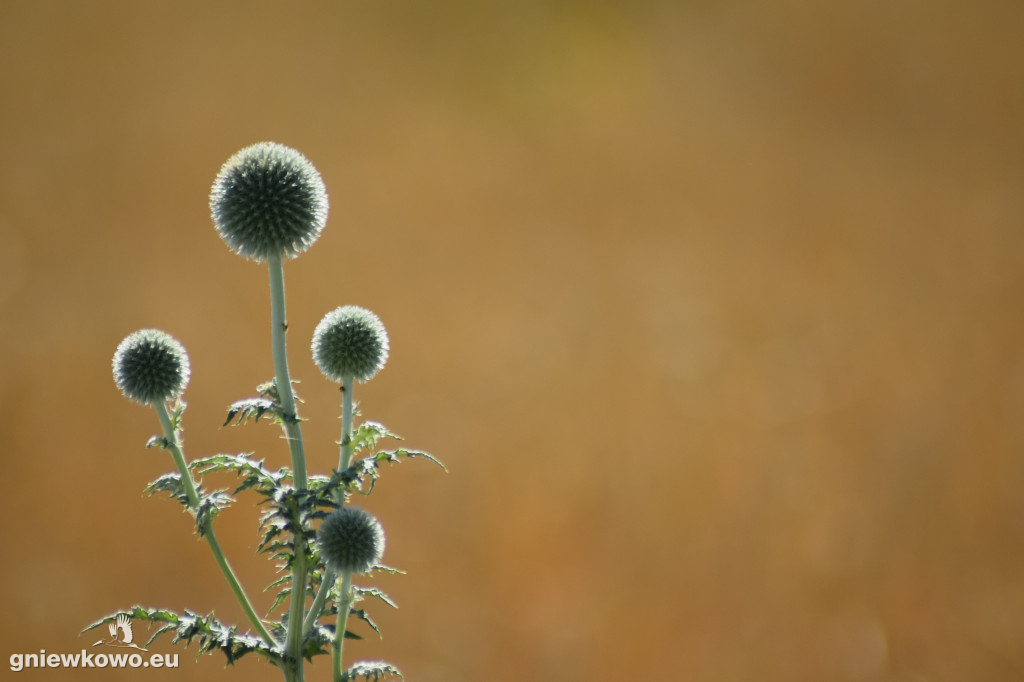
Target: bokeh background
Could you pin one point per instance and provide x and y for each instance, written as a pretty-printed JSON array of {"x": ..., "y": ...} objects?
[{"x": 713, "y": 310}]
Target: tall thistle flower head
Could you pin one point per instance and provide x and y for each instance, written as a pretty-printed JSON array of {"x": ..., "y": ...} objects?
[
  {"x": 150, "y": 367},
  {"x": 268, "y": 200},
  {"x": 350, "y": 341},
  {"x": 350, "y": 540}
]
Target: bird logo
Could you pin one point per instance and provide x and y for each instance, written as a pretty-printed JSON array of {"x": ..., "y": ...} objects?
[{"x": 125, "y": 641}]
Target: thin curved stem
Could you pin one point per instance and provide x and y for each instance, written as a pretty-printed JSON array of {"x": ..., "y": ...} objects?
[
  {"x": 174, "y": 446},
  {"x": 344, "y": 462},
  {"x": 321, "y": 598},
  {"x": 344, "y": 607},
  {"x": 293, "y": 434}
]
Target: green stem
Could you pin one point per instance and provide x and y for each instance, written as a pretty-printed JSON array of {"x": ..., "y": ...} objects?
[
  {"x": 282, "y": 380},
  {"x": 344, "y": 462},
  {"x": 295, "y": 612},
  {"x": 174, "y": 446},
  {"x": 344, "y": 607},
  {"x": 345, "y": 454},
  {"x": 321, "y": 598},
  {"x": 293, "y": 434}
]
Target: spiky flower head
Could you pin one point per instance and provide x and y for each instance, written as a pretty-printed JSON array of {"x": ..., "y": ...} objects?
[
  {"x": 351, "y": 540},
  {"x": 268, "y": 200},
  {"x": 350, "y": 341},
  {"x": 151, "y": 366}
]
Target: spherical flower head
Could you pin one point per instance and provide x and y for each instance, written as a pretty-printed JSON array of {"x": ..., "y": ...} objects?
[
  {"x": 350, "y": 341},
  {"x": 350, "y": 540},
  {"x": 150, "y": 367},
  {"x": 268, "y": 200}
]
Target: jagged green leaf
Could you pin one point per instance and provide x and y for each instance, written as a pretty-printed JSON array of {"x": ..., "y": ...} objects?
[
  {"x": 286, "y": 524},
  {"x": 171, "y": 484},
  {"x": 362, "y": 475},
  {"x": 363, "y": 616},
  {"x": 269, "y": 390},
  {"x": 267, "y": 544},
  {"x": 210, "y": 505},
  {"x": 381, "y": 568},
  {"x": 160, "y": 631},
  {"x": 136, "y": 613},
  {"x": 158, "y": 442},
  {"x": 394, "y": 455},
  {"x": 251, "y": 409},
  {"x": 176, "y": 412},
  {"x": 281, "y": 596},
  {"x": 366, "y": 435},
  {"x": 254, "y": 475},
  {"x": 277, "y": 583},
  {"x": 319, "y": 640},
  {"x": 374, "y": 592},
  {"x": 323, "y": 488},
  {"x": 371, "y": 670},
  {"x": 187, "y": 627}
]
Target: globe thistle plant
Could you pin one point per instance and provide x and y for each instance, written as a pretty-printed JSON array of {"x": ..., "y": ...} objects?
[
  {"x": 351, "y": 540},
  {"x": 268, "y": 200},
  {"x": 269, "y": 203},
  {"x": 350, "y": 342},
  {"x": 151, "y": 366}
]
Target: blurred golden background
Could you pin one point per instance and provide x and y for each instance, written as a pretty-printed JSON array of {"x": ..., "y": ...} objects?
[{"x": 713, "y": 310}]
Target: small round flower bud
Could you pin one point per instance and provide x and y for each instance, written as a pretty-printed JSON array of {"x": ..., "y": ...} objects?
[
  {"x": 351, "y": 540},
  {"x": 150, "y": 367},
  {"x": 268, "y": 200},
  {"x": 350, "y": 341}
]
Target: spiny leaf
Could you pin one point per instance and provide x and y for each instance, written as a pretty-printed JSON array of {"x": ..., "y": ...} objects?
[
  {"x": 251, "y": 409},
  {"x": 366, "y": 435},
  {"x": 381, "y": 568},
  {"x": 171, "y": 484},
  {"x": 176, "y": 412},
  {"x": 322, "y": 488},
  {"x": 371, "y": 670},
  {"x": 281, "y": 596},
  {"x": 254, "y": 474},
  {"x": 158, "y": 442},
  {"x": 209, "y": 506},
  {"x": 266, "y": 545},
  {"x": 374, "y": 592},
  {"x": 210, "y": 633},
  {"x": 319, "y": 639},
  {"x": 269, "y": 390},
  {"x": 291, "y": 511},
  {"x": 136, "y": 613},
  {"x": 393, "y": 455},
  {"x": 362, "y": 615},
  {"x": 160, "y": 631},
  {"x": 362, "y": 475},
  {"x": 277, "y": 583}
]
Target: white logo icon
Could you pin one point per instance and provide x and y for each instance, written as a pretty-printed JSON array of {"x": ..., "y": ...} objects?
[{"x": 125, "y": 626}]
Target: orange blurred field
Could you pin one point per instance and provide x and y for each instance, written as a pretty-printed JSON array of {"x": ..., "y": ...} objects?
[{"x": 713, "y": 310}]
